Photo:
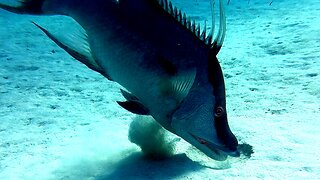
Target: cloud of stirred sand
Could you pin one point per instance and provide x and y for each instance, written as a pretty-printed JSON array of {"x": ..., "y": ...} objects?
[{"x": 151, "y": 138}]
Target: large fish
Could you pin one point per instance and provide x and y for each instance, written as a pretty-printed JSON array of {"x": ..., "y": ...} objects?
[{"x": 165, "y": 61}]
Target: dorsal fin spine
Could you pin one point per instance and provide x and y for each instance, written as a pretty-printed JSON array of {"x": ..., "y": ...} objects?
[
  {"x": 203, "y": 34},
  {"x": 195, "y": 28},
  {"x": 209, "y": 38},
  {"x": 198, "y": 31},
  {"x": 184, "y": 19},
  {"x": 189, "y": 23},
  {"x": 222, "y": 28},
  {"x": 175, "y": 13},
  {"x": 165, "y": 5},
  {"x": 180, "y": 16},
  {"x": 170, "y": 10},
  {"x": 161, "y": 3}
]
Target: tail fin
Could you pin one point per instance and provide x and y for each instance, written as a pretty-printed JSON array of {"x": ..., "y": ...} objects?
[{"x": 33, "y": 7}]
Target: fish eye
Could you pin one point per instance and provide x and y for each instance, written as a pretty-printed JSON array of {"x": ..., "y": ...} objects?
[{"x": 219, "y": 111}]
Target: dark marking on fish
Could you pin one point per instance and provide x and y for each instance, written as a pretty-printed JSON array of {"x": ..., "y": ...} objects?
[
  {"x": 167, "y": 66},
  {"x": 222, "y": 127}
]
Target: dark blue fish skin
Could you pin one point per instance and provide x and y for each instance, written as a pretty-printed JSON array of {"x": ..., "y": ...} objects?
[{"x": 139, "y": 45}]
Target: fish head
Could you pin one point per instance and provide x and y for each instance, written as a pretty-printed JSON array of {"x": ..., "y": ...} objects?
[{"x": 202, "y": 121}]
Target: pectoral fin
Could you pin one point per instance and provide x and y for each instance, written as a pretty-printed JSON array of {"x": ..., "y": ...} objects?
[
  {"x": 135, "y": 107},
  {"x": 179, "y": 85}
]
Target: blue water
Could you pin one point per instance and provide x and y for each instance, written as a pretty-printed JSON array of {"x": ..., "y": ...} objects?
[{"x": 59, "y": 120}]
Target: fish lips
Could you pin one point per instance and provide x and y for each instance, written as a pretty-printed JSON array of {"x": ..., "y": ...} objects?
[{"x": 220, "y": 151}]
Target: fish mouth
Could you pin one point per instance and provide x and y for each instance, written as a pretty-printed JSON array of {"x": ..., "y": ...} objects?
[{"x": 218, "y": 149}]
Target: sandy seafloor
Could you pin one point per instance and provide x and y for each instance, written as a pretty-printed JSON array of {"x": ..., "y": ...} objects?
[{"x": 59, "y": 120}]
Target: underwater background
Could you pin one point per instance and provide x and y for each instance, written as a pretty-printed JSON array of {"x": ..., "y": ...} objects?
[{"x": 60, "y": 120}]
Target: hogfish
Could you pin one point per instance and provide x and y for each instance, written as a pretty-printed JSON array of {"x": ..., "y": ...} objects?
[{"x": 165, "y": 62}]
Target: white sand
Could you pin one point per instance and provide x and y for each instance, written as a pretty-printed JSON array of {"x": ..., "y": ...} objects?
[{"x": 59, "y": 120}]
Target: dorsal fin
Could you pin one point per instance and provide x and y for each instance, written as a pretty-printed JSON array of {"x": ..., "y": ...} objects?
[
  {"x": 194, "y": 27},
  {"x": 218, "y": 41}
]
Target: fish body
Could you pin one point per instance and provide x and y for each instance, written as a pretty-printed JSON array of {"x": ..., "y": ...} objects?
[{"x": 167, "y": 66}]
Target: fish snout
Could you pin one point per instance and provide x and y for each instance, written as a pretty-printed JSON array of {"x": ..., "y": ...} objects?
[
  {"x": 227, "y": 139},
  {"x": 217, "y": 147},
  {"x": 235, "y": 153}
]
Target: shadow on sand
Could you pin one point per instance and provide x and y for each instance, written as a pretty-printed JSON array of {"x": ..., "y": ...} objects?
[{"x": 137, "y": 166}]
